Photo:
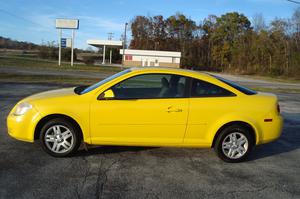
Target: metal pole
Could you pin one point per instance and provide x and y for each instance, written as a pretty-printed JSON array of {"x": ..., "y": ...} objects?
[
  {"x": 59, "y": 46},
  {"x": 103, "y": 53},
  {"x": 72, "y": 47},
  {"x": 124, "y": 42}
]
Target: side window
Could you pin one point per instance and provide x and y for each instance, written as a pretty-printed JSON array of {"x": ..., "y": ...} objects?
[
  {"x": 151, "y": 86},
  {"x": 204, "y": 89}
]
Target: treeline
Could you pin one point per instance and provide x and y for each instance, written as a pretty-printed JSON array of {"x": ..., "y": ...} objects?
[
  {"x": 48, "y": 50},
  {"x": 229, "y": 42},
  {"x": 19, "y": 45}
]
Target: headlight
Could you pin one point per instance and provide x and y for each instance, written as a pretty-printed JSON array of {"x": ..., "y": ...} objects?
[{"x": 22, "y": 108}]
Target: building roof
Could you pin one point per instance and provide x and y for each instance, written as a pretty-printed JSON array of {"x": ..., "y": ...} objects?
[
  {"x": 151, "y": 53},
  {"x": 97, "y": 43}
]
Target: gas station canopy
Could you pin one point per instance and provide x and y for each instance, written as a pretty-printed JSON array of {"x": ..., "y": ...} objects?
[
  {"x": 100, "y": 43},
  {"x": 104, "y": 43}
]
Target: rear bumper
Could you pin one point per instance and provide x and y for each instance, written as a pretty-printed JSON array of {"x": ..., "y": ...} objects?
[{"x": 271, "y": 131}]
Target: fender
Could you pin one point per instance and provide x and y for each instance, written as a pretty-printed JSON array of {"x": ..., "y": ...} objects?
[
  {"x": 232, "y": 117},
  {"x": 84, "y": 126}
]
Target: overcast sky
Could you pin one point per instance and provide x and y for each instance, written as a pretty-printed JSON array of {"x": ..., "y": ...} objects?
[{"x": 33, "y": 20}]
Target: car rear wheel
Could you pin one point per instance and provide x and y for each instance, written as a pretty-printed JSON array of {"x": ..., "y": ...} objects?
[
  {"x": 59, "y": 138},
  {"x": 234, "y": 143}
]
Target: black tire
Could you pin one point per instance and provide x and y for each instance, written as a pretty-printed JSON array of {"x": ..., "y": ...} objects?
[
  {"x": 240, "y": 130},
  {"x": 74, "y": 134}
]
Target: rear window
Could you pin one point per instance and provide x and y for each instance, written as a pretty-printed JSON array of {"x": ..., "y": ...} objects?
[
  {"x": 204, "y": 89},
  {"x": 238, "y": 87}
]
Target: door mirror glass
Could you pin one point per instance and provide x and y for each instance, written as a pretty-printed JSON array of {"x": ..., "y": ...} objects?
[{"x": 109, "y": 94}]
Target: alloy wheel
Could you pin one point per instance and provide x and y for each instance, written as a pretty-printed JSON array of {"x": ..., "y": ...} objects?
[
  {"x": 235, "y": 145},
  {"x": 59, "y": 139}
]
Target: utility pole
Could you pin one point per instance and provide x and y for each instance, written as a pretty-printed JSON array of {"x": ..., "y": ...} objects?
[
  {"x": 110, "y": 56},
  {"x": 124, "y": 44},
  {"x": 155, "y": 45},
  {"x": 110, "y": 35}
]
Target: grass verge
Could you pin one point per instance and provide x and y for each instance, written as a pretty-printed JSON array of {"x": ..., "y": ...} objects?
[
  {"x": 276, "y": 90},
  {"x": 46, "y": 79},
  {"x": 50, "y": 64}
]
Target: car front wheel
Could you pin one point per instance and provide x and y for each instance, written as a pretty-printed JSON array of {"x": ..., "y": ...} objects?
[
  {"x": 59, "y": 138},
  {"x": 234, "y": 143}
]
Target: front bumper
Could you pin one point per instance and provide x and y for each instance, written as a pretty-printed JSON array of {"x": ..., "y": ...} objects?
[{"x": 22, "y": 127}]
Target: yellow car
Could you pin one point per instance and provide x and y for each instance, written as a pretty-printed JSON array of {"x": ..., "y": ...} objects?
[{"x": 150, "y": 107}]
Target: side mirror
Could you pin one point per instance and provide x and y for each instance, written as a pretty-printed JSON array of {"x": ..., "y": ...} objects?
[{"x": 106, "y": 95}]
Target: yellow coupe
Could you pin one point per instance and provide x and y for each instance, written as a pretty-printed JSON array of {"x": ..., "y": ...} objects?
[{"x": 150, "y": 107}]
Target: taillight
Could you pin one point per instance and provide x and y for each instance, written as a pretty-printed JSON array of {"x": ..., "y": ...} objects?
[{"x": 278, "y": 108}]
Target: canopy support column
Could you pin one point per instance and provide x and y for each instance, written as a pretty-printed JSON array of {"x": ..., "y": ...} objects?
[{"x": 103, "y": 61}]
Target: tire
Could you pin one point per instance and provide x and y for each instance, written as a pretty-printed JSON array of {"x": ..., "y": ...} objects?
[
  {"x": 234, "y": 144},
  {"x": 60, "y": 138}
]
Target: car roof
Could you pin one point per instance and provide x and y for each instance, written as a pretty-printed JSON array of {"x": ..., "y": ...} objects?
[{"x": 175, "y": 70}]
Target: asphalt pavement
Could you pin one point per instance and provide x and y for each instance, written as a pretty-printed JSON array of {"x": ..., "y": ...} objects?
[{"x": 272, "y": 170}]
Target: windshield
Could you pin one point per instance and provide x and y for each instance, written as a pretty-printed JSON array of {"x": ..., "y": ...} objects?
[
  {"x": 94, "y": 86},
  {"x": 238, "y": 87}
]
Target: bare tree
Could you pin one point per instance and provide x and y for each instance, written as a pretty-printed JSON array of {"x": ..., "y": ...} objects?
[{"x": 258, "y": 22}]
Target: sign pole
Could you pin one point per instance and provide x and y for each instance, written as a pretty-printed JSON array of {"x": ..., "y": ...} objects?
[
  {"x": 66, "y": 24},
  {"x": 72, "y": 47},
  {"x": 59, "y": 47}
]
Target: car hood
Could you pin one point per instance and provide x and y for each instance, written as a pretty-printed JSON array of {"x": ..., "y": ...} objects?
[{"x": 51, "y": 94}]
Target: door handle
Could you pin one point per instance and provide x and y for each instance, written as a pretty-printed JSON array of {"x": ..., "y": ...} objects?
[{"x": 176, "y": 110}]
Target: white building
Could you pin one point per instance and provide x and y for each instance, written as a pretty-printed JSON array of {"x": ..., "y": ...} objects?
[{"x": 151, "y": 58}]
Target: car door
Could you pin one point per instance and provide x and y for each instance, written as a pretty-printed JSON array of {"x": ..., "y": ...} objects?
[
  {"x": 208, "y": 103},
  {"x": 148, "y": 109}
]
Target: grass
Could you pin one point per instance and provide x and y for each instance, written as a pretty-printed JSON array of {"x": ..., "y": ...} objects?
[
  {"x": 51, "y": 64},
  {"x": 276, "y": 90},
  {"x": 282, "y": 79},
  {"x": 29, "y": 63},
  {"x": 88, "y": 81},
  {"x": 272, "y": 78},
  {"x": 4, "y": 77}
]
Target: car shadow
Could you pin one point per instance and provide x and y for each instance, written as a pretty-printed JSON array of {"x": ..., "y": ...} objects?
[
  {"x": 95, "y": 150},
  {"x": 289, "y": 141}
]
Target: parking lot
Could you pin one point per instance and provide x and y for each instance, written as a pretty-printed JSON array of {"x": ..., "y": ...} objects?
[{"x": 143, "y": 172}]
